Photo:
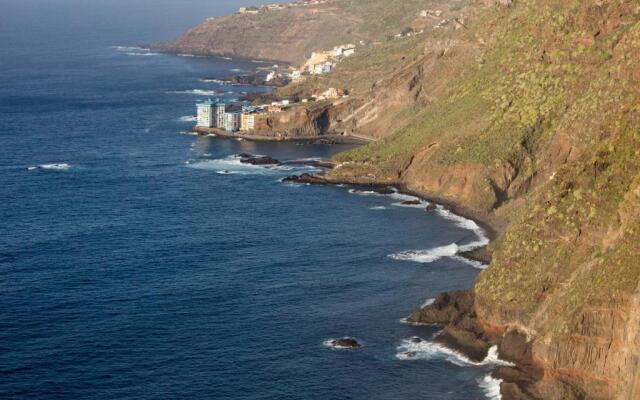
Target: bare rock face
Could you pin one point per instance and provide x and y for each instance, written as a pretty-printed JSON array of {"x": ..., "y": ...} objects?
[
  {"x": 305, "y": 179},
  {"x": 455, "y": 310},
  {"x": 258, "y": 160},
  {"x": 345, "y": 343},
  {"x": 447, "y": 308}
]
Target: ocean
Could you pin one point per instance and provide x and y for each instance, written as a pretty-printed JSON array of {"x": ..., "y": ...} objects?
[{"x": 140, "y": 262}]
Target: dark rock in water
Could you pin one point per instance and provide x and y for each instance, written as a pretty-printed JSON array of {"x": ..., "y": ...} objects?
[
  {"x": 461, "y": 332},
  {"x": 305, "y": 178},
  {"x": 415, "y": 339},
  {"x": 411, "y": 202},
  {"x": 447, "y": 308},
  {"x": 481, "y": 254},
  {"x": 410, "y": 354},
  {"x": 246, "y": 155},
  {"x": 348, "y": 343},
  {"x": 266, "y": 160},
  {"x": 311, "y": 163},
  {"x": 383, "y": 190},
  {"x": 431, "y": 207}
]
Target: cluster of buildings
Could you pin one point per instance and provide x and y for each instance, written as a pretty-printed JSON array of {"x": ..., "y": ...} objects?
[
  {"x": 323, "y": 62},
  {"x": 219, "y": 114},
  {"x": 229, "y": 117},
  {"x": 274, "y": 7}
]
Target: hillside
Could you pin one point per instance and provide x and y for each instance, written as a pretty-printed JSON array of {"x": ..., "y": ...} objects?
[
  {"x": 293, "y": 33},
  {"x": 539, "y": 133}
]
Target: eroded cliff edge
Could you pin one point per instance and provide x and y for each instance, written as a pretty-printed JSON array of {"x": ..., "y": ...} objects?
[{"x": 539, "y": 133}]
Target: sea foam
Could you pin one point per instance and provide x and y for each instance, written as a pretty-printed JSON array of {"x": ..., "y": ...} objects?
[
  {"x": 135, "y": 51},
  {"x": 429, "y": 350},
  {"x": 52, "y": 167},
  {"x": 491, "y": 387},
  {"x": 450, "y": 250},
  {"x": 233, "y": 165},
  {"x": 426, "y": 256},
  {"x": 188, "y": 118},
  {"x": 196, "y": 92}
]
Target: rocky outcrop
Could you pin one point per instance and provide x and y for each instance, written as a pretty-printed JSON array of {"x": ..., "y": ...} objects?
[
  {"x": 345, "y": 343},
  {"x": 258, "y": 160}
]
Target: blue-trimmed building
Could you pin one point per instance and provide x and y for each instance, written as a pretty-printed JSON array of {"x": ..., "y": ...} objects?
[{"x": 211, "y": 114}]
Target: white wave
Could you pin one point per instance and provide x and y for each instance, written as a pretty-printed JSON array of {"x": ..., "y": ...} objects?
[
  {"x": 142, "y": 54},
  {"x": 378, "y": 208},
  {"x": 127, "y": 49},
  {"x": 236, "y": 70},
  {"x": 491, "y": 387},
  {"x": 135, "y": 51},
  {"x": 259, "y": 62},
  {"x": 188, "y": 118},
  {"x": 473, "y": 263},
  {"x": 227, "y": 58},
  {"x": 429, "y": 350},
  {"x": 465, "y": 223},
  {"x": 406, "y": 197},
  {"x": 406, "y": 321},
  {"x": 421, "y": 205},
  {"x": 364, "y": 192},
  {"x": 233, "y": 165},
  {"x": 190, "y": 133},
  {"x": 428, "y": 302},
  {"x": 190, "y": 55},
  {"x": 197, "y": 92},
  {"x": 53, "y": 167},
  {"x": 426, "y": 256}
]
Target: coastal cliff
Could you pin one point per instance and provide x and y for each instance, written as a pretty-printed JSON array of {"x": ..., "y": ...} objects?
[
  {"x": 539, "y": 135},
  {"x": 525, "y": 115},
  {"x": 292, "y": 32}
]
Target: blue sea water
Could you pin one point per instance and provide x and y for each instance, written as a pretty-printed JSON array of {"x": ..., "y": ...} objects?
[{"x": 133, "y": 267}]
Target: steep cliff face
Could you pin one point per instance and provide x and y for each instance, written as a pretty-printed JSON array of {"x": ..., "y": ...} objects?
[{"x": 540, "y": 132}]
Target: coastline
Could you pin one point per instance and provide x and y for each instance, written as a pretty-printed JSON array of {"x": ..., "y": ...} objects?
[
  {"x": 276, "y": 137},
  {"x": 479, "y": 254}
]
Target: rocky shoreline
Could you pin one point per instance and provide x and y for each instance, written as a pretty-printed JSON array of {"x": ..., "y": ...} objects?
[
  {"x": 320, "y": 139},
  {"x": 462, "y": 329}
]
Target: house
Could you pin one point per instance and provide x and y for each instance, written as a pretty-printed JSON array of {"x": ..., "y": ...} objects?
[
  {"x": 295, "y": 75},
  {"x": 232, "y": 121},
  {"x": 247, "y": 121},
  {"x": 344, "y": 50},
  {"x": 206, "y": 114},
  {"x": 220, "y": 114},
  {"x": 330, "y": 93},
  {"x": 248, "y": 10},
  {"x": 274, "y": 108},
  {"x": 316, "y": 61},
  {"x": 211, "y": 114},
  {"x": 322, "y": 68}
]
